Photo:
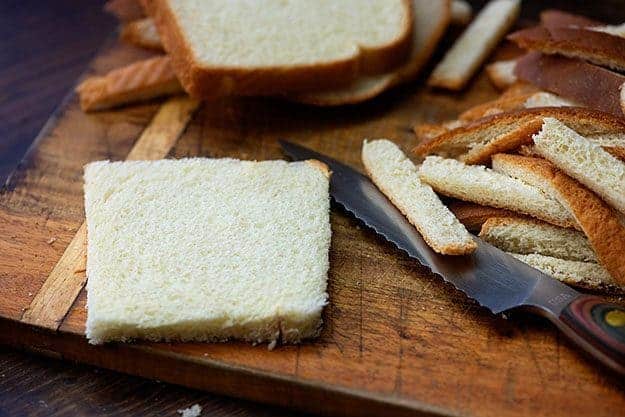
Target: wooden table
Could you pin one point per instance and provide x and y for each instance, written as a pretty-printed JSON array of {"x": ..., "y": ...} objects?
[{"x": 41, "y": 64}]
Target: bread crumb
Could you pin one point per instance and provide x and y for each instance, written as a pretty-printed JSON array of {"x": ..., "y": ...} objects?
[
  {"x": 30, "y": 294},
  {"x": 51, "y": 240},
  {"x": 272, "y": 345},
  {"x": 194, "y": 411}
]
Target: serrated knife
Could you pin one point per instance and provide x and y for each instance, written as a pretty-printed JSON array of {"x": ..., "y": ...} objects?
[{"x": 493, "y": 278}]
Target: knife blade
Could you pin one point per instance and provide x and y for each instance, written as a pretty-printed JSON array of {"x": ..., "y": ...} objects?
[{"x": 493, "y": 278}]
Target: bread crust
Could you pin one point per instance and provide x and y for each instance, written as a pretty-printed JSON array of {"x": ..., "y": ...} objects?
[
  {"x": 585, "y": 83},
  {"x": 554, "y": 18},
  {"x": 585, "y": 121},
  {"x": 141, "y": 33},
  {"x": 473, "y": 216},
  {"x": 599, "y": 222},
  {"x": 124, "y": 10},
  {"x": 378, "y": 84},
  {"x": 597, "y": 47},
  {"x": 142, "y": 80},
  {"x": 211, "y": 82}
]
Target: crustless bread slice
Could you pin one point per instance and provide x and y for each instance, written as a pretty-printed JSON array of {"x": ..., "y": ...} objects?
[
  {"x": 397, "y": 177},
  {"x": 475, "y": 44},
  {"x": 583, "y": 160},
  {"x": 600, "y": 223},
  {"x": 431, "y": 18},
  {"x": 269, "y": 47},
  {"x": 487, "y": 187},
  {"x": 206, "y": 249}
]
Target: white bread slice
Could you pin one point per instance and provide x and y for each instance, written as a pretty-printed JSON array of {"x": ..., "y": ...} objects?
[
  {"x": 398, "y": 178},
  {"x": 601, "y": 224},
  {"x": 526, "y": 236},
  {"x": 583, "y": 160},
  {"x": 270, "y": 47},
  {"x": 477, "y": 42},
  {"x": 206, "y": 249},
  {"x": 586, "y": 275},
  {"x": 461, "y": 12},
  {"x": 484, "y": 186},
  {"x": 141, "y": 33},
  {"x": 431, "y": 18},
  {"x": 501, "y": 73}
]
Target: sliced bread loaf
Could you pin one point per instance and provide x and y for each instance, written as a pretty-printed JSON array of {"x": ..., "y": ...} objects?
[
  {"x": 475, "y": 44},
  {"x": 269, "y": 47},
  {"x": 600, "y": 223},
  {"x": 583, "y": 160},
  {"x": 588, "y": 275},
  {"x": 206, "y": 249},
  {"x": 431, "y": 18},
  {"x": 527, "y": 236},
  {"x": 397, "y": 177},
  {"x": 487, "y": 187}
]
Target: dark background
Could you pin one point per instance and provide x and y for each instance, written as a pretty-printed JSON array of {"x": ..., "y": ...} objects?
[{"x": 44, "y": 47}]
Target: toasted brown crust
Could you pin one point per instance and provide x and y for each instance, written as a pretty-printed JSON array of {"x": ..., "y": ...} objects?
[
  {"x": 473, "y": 216},
  {"x": 141, "y": 33},
  {"x": 519, "y": 88},
  {"x": 205, "y": 82},
  {"x": 499, "y": 105},
  {"x": 585, "y": 83},
  {"x": 142, "y": 80},
  {"x": 376, "y": 85},
  {"x": 597, "y": 47},
  {"x": 490, "y": 129},
  {"x": 428, "y": 131},
  {"x": 598, "y": 221},
  {"x": 557, "y": 18},
  {"x": 124, "y": 10}
]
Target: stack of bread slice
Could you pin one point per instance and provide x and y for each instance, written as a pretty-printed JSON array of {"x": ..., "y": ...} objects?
[
  {"x": 577, "y": 58},
  {"x": 322, "y": 53},
  {"x": 538, "y": 176}
]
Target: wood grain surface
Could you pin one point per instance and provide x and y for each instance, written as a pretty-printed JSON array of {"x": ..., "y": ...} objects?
[{"x": 396, "y": 339}]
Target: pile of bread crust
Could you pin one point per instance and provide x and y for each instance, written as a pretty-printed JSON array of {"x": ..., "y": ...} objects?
[
  {"x": 539, "y": 172},
  {"x": 224, "y": 62}
]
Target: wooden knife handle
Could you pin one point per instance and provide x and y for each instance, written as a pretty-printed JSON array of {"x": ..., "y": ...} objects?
[{"x": 598, "y": 327}]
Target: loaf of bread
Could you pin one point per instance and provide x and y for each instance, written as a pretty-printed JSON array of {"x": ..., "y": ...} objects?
[
  {"x": 269, "y": 47},
  {"x": 397, "y": 177},
  {"x": 206, "y": 249}
]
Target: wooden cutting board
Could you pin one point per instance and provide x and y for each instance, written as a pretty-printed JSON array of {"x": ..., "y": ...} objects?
[{"x": 396, "y": 339}]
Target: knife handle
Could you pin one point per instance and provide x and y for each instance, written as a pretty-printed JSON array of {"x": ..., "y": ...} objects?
[{"x": 598, "y": 327}]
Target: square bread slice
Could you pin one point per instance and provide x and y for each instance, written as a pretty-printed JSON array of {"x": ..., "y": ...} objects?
[
  {"x": 206, "y": 250},
  {"x": 269, "y": 47}
]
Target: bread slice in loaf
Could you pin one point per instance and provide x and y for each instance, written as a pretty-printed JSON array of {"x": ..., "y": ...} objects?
[
  {"x": 473, "y": 216},
  {"x": 397, "y": 177},
  {"x": 487, "y": 187},
  {"x": 431, "y": 18},
  {"x": 601, "y": 224},
  {"x": 584, "y": 83},
  {"x": 588, "y": 275},
  {"x": 141, "y": 80},
  {"x": 141, "y": 33},
  {"x": 270, "y": 47},
  {"x": 461, "y": 12},
  {"x": 583, "y": 160},
  {"x": 501, "y": 73},
  {"x": 474, "y": 142},
  {"x": 477, "y": 42},
  {"x": 526, "y": 236},
  {"x": 206, "y": 249}
]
